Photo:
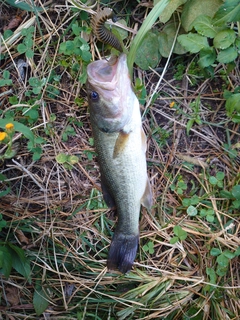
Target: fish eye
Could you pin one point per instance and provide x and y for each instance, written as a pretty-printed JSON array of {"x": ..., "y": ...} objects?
[{"x": 94, "y": 96}]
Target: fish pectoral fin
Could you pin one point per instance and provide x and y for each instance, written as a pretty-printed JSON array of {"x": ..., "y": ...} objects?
[
  {"x": 122, "y": 252},
  {"x": 106, "y": 194},
  {"x": 147, "y": 198},
  {"x": 144, "y": 140},
  {"x": 120, "y": 143}
]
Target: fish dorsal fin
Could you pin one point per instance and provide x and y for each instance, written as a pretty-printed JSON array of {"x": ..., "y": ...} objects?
[
  {"x": 120, "y": 143},
  {"x": 147, "y": 198}
]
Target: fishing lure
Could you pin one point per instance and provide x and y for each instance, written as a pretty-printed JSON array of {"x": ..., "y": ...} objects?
[{"x": 101, "y": 32}]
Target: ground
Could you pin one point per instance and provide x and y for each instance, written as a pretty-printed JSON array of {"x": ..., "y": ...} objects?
[{"x": 54, "y": 222}]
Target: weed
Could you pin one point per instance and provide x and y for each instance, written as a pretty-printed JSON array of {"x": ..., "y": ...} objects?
[
  {"x": 27, "y": 44},
  {"x": 5, "y": 81}
]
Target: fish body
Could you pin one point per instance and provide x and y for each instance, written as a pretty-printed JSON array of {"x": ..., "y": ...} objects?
[{"x": 120, "y": 143}]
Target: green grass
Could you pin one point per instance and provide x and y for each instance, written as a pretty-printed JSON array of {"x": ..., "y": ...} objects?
[{"x": 55, "y": 228}]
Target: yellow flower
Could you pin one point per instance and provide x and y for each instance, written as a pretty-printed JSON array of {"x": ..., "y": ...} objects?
[
  {"x": 9, "y": 127},
  {"x": 3, "y": 136},
  {"x": 172, "y": 104}
]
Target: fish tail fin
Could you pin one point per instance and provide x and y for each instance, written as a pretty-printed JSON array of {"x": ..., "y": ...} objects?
[{"x": 122, "y": 252}]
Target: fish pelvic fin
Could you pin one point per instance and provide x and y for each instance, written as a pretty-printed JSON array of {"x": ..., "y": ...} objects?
[
  {"x": 120, "y": 143},
  {"x": 122, "y": 252},
  {"x": 147, "y": 198}
]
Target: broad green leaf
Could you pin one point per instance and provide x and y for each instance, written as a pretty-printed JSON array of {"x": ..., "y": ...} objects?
[
  {"x": 19, "y": 262},
  {"x": 236, "y": 190},
  {"x": 146, "y": 26},
  {"x": 174, "y": 240},
  {"x": 229, "y": 254},
  {"x": 194, "y": 8},
  {"x": 212, "y": 275},
  {"x": 220, "y": 175},
  {"x": 193, "y": 42},
  {"x": 233, "y": 103},
  {"x": 5, "y": 261},
  {"x": 166, "y": 38},
  {"x": 192, "y": 211},
  {"x": 170, "y": 9},
  {"x": 40, "y": 301},
  {"x": 24, "y": 6},
  {"x": 224, "y": 39},
  {"x": 228, "y": 12},
  {"x": 215, "y": 252},
  {"x": 21, "y": 48},
  {"x": 180, "y": 233},
  {"x": 203, "y": 25},
  {"x": 207, "y": 57},
  {"x": 213, "y": 180},
  {"x": 227, "y": 55},
  {"x": 147, "y": 54},
  {"x": 222, "y": 260}
]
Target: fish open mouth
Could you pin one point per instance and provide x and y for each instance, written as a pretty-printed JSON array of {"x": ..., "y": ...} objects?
[{"x": 107, "y": 75}]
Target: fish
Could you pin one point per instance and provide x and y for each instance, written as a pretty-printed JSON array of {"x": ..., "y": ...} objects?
[{"x": 121, "y": 144}]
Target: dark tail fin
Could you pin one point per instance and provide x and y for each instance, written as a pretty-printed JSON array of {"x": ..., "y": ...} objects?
[{"x": 122, "y": 252}]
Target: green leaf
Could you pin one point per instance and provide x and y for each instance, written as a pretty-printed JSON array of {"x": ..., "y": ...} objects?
[
  {"x": 147, "y": 54},
  {"x": 146, "y": 26},
  {"x": 213, "y": 180},
  {"x": 169, "y": 10},
  {"x": 21, "y": 48},
  {"x": 215, "y": 252},
  {"x": 224, "y": 39},
  {"x": 203, "y": 25},
  {"x": 222, "y": 260},
  {"x": 192, "y": 211},
  {"x": 228, "y": 12},
  {"x": 174, "y": 240},
  {"x": 230, "y": 255},
  {"x": 227, "y": 55},
  {"x": 194, "y": 8},
  {"x": 166, "y": 38},
  {"x": 212, "y": 275},
  {"x": 233, "y": 103},
  {"x": 220, "y": 175},
  {"x": 180, "y": 233},
  {"x": 193, "y": 42},
  {"x": 236, "y": 192},
  {"x": 40, "y": 301},
  {"x": 24, "y": 6},
  {"x": 19, "y": 262},
  {"x": 207, "y": 57},
  {"x": 29, "y": 53},
  {"x": 5, "y": 261}
]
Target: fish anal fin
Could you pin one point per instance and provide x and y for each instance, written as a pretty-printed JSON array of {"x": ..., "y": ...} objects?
[
  {"x": 122, "y": 252},
  {"x": 120, "y": 143},
  {"x": 147, "y": 198}
]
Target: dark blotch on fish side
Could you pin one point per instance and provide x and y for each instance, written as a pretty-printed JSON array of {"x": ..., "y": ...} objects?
[{"x": 122, "y": 252}]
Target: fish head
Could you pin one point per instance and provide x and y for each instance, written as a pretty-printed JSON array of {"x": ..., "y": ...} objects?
[{"x": 110, "y": 95}]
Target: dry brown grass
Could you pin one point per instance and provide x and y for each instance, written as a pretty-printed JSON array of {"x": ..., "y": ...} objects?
[{"x": 58, "y": 216}]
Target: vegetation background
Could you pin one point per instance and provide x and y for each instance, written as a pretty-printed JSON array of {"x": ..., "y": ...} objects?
[{"x": 55, "y": 228}]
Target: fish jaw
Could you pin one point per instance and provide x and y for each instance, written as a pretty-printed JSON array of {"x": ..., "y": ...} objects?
[{"x": 113, "y": 109}]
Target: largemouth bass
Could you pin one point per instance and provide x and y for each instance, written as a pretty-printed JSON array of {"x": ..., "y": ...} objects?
[{"x": 120, "y": 143}]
